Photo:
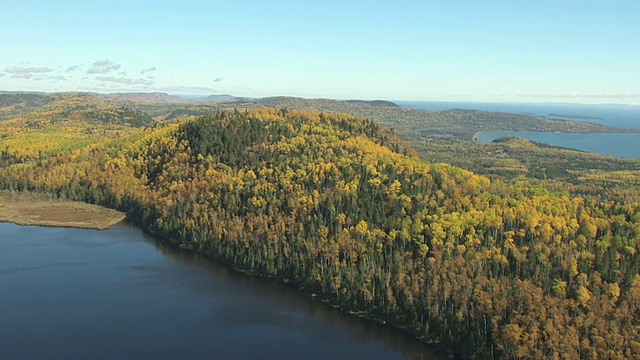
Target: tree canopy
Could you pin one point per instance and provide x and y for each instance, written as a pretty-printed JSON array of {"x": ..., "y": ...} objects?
[{"x": 339, "y": 206}]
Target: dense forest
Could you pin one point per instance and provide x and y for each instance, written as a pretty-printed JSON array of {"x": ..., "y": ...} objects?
[
  {"x": 340, "y": 207},
  {"x": 416, "y": 124},
  {"x": 512, "y": 158},
  {"x": 447, "y": 137}
]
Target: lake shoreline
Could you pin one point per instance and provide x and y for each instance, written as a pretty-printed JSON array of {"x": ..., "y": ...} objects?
[
  {"x": 34, "y": 209},
  {"x": 31, "y": 209},
  {"x": 606, "y": 144},
  {"x": 433, "y": 343}
]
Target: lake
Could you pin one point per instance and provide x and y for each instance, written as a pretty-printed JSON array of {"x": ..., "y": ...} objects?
[
  {"x": 626, "y": 116},
  {"x": 616, "y": 144},
  {"x": 121, "y": 294},
  {"x": 620, "y": 145}
]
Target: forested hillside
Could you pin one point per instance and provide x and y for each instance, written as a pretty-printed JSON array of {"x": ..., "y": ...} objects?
[
  {"x": 517, "y": 159},
  {"x": 447, "y": 136},
  {"x": 338, "y": 206},
  {"x": 414, "y": 124}
]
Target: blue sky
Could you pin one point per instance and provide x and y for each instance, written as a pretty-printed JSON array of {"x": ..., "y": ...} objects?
[{"x": 525, "y": 51}]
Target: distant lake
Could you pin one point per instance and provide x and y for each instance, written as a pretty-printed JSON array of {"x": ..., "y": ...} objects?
[
  {"x": 617, "y": 144},
  {"x": 120, "y": 294},
  {"x": 620, "y": 145},
  {"x": 626, "y": 116}
]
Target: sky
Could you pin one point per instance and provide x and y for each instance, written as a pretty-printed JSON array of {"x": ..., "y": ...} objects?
[{"x": 585, "y": 51}]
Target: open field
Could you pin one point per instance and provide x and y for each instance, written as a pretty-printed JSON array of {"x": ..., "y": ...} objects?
[{"x": 29, "y": 209}]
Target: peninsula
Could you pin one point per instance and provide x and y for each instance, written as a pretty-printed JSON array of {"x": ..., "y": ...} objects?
[{"x": 31, "y": 209}]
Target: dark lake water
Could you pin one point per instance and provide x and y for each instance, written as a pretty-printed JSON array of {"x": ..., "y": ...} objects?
[{"x": 120, "y": 294}]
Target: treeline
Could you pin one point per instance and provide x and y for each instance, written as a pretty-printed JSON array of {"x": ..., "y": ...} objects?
[
  {"x": 516, "y": 159},
  {"x": 119, "y": 116},
  {"x": 330, "y": 203},
  {"x": 22, "y": 100},
  {"x": 415, "y": 124}
]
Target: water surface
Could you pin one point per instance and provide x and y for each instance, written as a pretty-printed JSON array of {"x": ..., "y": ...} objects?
[
  {"x": 120, "y": 294},
  {"x": 626, "y": 116},
  {"x": 620, "y": 145},
  {"x": 613, "y": 144}
]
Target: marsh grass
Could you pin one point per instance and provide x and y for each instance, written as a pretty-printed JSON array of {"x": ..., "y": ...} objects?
[{"x": 37, "y": 209}]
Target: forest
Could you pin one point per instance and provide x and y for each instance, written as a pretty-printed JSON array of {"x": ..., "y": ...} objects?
[
  {"x": 509, "y": 265},
  {"x": 417, "y": 124}
]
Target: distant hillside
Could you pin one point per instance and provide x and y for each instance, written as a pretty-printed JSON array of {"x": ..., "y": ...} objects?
[
  {"x": 574, "y": 116},
  {"x": 344, "y": 106},
  {"x": 374, "y": 103},
  {"x": 69, "y": 110},
  {"x": 142, "y": 97},
  {"x": 438, "y": 136},
  {"x": 12, "y": 103},
  {"x": 411, "y": 124},
  {"x": 219, "y": 97},
  {"x": 421, "y": 124},
  {"x": 23, "y": 99}
]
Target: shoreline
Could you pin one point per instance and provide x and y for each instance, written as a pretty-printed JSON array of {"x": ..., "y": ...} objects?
[
  {"x": 30, "y": 209},
  {"x": 434, "y": 344}
]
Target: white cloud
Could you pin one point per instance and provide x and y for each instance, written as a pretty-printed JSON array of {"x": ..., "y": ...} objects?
[
  {"x": 73, "y": 68},
  {"x": 25, "y": 72},
  {"x": 218, "y": 80},
  {"x": 188, "y": 90},
  {"x": 144, "y": 71},
  {"x": 123, "y": 80},
  {"x": 22, "y": 75},
  {"x": 54, "y": 78},
  {"x": 103, "y": 67},
  {"x": 20, "y": 70}
]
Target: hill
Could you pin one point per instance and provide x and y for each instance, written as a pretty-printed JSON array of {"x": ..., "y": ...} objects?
[
  {"x": 335, "y": 205},
  {"x": 18, "y": 99},
  {"x": 516, "y": 159},
  {"x": 439, "y": 136},
  {"x": 141, "y": 97},
  {"x": 414, "y": 124},
  {"x": 446, "y": 136},
  {"x": 219, "y": 97},
  {"x": 70, "y": 109},
  {"x": 14, "y": 103}
]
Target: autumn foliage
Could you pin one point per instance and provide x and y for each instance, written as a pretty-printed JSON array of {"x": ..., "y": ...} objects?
[{"x": 338, "y": 206}]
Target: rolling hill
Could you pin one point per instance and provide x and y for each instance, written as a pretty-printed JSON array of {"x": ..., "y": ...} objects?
[{"x": 338, "y": 206}]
